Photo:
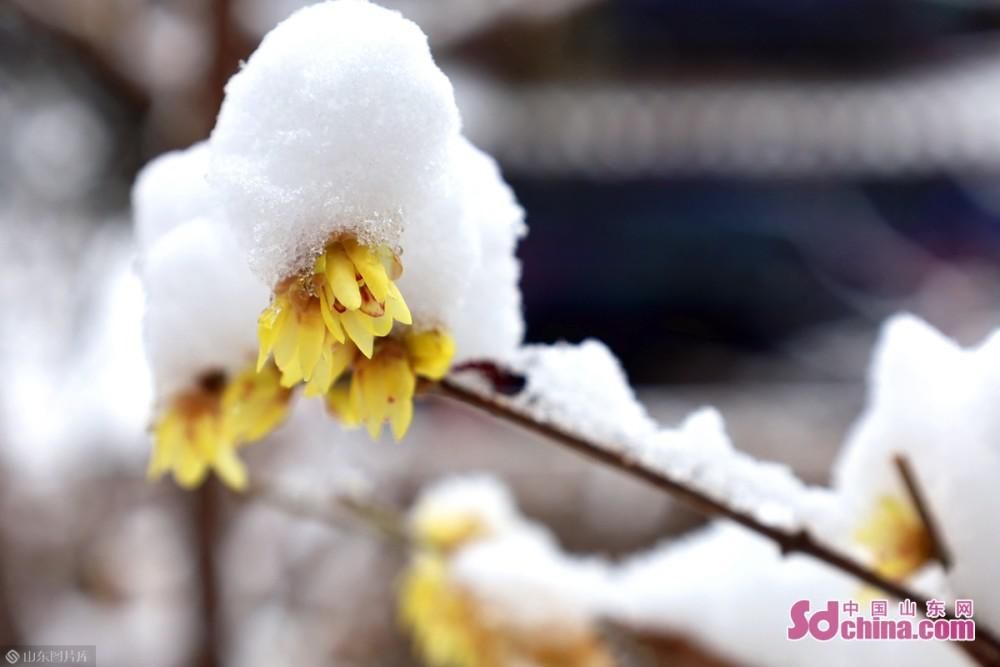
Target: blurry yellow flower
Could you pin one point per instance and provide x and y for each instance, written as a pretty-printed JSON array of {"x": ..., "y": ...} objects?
[
  {"x": 201, "y": 428},
  {"x": 452, "y": 629},
  {"x": 381, "y": 388},
  {"x": 255, "y": 403},
  {"x": 898, "y": 540},
  {"x": 317, "y": 319},
  {"x": 444, "y": 621}
]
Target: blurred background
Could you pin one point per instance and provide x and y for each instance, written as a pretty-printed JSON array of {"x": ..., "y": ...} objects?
[{"x": 733, "y": 195}]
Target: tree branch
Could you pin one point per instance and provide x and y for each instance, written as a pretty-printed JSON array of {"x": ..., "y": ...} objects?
[
  {"x": 919, "y": 500},
  {"x": 985, "y": 649},
  {"x": 206, "y": 524}
]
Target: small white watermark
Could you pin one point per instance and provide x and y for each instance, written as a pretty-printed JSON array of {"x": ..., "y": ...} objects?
[{"x": 51, "y": 655}]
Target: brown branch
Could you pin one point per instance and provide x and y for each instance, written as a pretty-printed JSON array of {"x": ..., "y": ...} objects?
[
  {"x": 985, "y": 649},
  {"x": 9, "y": 635},
  {"x": 906, "y": 472},
  {"x": 206, "y": 518}
]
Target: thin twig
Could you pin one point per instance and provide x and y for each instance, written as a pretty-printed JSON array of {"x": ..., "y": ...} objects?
[
  {"x": 387, "y": 522},
  {"x": 906, "y": 472},
  {"x": 985, "y": 649}
]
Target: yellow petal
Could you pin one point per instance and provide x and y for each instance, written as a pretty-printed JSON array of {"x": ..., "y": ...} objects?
[
  {"x": 291, "y": 375},
  {"x": 322, "y": 376},
  {"x": 268, "y": 326},
  {"x": 358, "y": 326},
  {"x": 191, "y": 466},
  {"x": 396, "y": 306},
  {"x": 343, "y": 357},
  {"x": 230, "y": 469},
  {"x": 399, "y": 379},
  {"x": 312, "y": 333},
  {"x": 266, "y": 421},
  {"x": 341, "y": 404},
  {"x": 380, "y": 326},
  {"x": 400, "y": 416},
  {"x": 341, "y": 276},
  {"x": 166, "y": 443},
  {"x": 376, "y": 387},
  {"x": 374, "y": 427},
  {"x": 286, "y": 344},
  {"x": 330, "y": 318},
  {"x": 446, "y": 626},
  {"x": 370, "y": 267}
]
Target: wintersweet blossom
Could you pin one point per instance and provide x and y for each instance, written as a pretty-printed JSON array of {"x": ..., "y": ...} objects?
[
  {"x": 201, "y": 428},
  {"x": 339, "y": 165},
  {"x": 201, "y": 302},
  {"x": 381, "y": 388},
  {"x": 933, "y": 403},
  {"x": 896, "y": 537},
  {"x": 318, "y": 318},
  {"x": 486, "y": 588}
]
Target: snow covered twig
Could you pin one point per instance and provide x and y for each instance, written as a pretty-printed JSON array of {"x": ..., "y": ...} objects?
[
  {"x": 382, "y": 519},
  {"x": 985, "y": 649}
]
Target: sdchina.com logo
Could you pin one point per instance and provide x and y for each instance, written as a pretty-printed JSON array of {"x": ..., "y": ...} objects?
[{"x": 845, "y": 621}]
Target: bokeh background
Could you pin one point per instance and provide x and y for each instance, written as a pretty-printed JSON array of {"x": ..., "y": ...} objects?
[{"x": 733, "y": 195}]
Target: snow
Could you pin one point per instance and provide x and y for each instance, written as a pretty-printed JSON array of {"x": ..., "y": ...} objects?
[
  {"x": 723, "y": 587},
  {"x": 440, "y": 250},
  {"x": 339, "y": 122},
  {"x": 478, "y": 496},
  {"x": 730, "y": 591},
  {"x": 934, "y": 403},
  {"x": 699, "y": 454},
  {"x": 525, "y": 584},
  {"x": 170, "y": 190},
  {"x": 202, "y": 305},
  {"x": 582, "y": 389},
  {"x": 491, "y": 325},
  {"x": 515, "y": 571}
]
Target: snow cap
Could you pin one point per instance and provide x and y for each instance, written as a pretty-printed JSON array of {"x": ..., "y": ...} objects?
[
  {"x": 339, "y": 122},
  {"x": 170, "y": 190},
  {"x": 202, "y": 305}
]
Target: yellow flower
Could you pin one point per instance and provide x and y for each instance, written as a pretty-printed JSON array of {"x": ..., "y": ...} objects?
[
  {"x": 255, "y": 403},
  {"x": 898, "y": 540},
  {"x": 201, "y": 428},
  {"x": 381, "y": 388},
  {"x": 445, "y": 624},
  {"x": 452, "y": 629},
  {"x": 317, "y": 319}
]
